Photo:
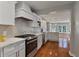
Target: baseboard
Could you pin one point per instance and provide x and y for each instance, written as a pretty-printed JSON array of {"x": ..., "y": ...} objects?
[{"x": 71, "y": 54}]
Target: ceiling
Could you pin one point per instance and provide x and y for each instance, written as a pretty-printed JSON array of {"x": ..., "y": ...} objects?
[
  {"x": 58, "y": 16},
  {"x": 41, "y": 6},
  {"x": 52, "y": 11}
]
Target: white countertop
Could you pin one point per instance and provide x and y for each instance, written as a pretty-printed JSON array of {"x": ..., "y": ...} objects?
[
  {"x": 9, "y": 41},
  {"x": 38, "y": 34}
]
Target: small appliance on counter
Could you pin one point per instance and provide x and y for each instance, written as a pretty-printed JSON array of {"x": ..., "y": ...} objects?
[{"x": 3, "y": 36}]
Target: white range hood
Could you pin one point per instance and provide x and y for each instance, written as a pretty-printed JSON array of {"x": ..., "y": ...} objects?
[{"x": 25, "y": 14}]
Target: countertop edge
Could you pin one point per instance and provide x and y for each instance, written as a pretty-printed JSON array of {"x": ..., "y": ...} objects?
[{"x": 6, "y": 43}]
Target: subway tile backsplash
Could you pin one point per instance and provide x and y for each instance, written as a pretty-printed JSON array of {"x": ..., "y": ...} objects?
[
  {"x": 23, "y": 26},
  {"x": 9, "y": 29}
]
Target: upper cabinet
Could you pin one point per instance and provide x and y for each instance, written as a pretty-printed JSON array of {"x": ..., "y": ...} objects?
[
  {"x": 7, "y": 13},
  {"x": 36, "y": 22},
  {"x": 23, "y": 11},
  {"x": 43, "y": 24},
  {"x": 36, "y": 17}
]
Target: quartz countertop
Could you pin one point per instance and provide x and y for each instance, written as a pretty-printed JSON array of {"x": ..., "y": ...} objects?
[
  {"x": 9, "y": 41},
  {"x": 38, "y": 34}
]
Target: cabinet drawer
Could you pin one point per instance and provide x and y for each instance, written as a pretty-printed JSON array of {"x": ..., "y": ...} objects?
[
  {"x": 13, "y": 48},
  {"x": 9, "y": 48},
  {"x": 20, "y": 44},
  {"x": 10, "y": 55}
]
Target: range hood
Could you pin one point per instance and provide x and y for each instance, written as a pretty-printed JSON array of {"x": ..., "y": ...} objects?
[{"x": 24, "y": 15}]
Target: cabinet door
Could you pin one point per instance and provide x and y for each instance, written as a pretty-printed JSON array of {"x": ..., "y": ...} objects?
[
  {"x": 20, "y": 49},
  {"x": 7, "y": 12},
  {"x": 0, "y": 52},
  {"x": 46, "y": 37},
  {"x": 35, "y": 24},
  {"x": 43, "y": 25},
  {"x": 10, "y": 50},
  {"x": 39, "y": 44},
  {"x": 11, "y": 55},
  {"x": 22, "y": 52},
  {"x": 53, "y": 36}
]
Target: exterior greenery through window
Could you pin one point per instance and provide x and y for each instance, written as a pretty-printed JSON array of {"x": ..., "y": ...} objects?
[{"x": 60, "y": 27}]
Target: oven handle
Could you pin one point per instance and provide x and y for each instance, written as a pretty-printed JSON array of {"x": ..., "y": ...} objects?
[{"x": 31, "y": 41}]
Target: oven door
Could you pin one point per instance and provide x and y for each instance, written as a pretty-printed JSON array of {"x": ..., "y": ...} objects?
[{"x": 31, "y": 46}]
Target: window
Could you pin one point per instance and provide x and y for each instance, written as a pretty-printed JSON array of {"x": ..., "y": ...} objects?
[
  {"x": 60, "y": 27},
  {"x": 64, "y": 28}
]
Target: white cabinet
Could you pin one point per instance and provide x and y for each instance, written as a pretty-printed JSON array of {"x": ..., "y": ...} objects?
[
  {"x": 0, "y": 53},
  {"x": 46, "y": 37},
  {"x": 35, "y": 24},
  {"x": 39, "y": 41},
  {"x": 10, "y": 55},
  {"x": 13, "y": 50},
  {"x": 52, "y": 36},
  {"x": 22, "y": 52},
  {"x": 21, "y": 49},
  {"x": 36, "y": 17},
  {"x": 44, "y": 25},
  {"x": 7, "y": 13}
]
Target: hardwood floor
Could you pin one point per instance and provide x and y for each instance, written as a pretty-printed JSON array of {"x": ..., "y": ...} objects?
[{"x": 51, "y": 49}]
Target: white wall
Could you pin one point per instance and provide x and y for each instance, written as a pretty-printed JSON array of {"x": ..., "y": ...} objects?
[{"x": 75, "y": 30}]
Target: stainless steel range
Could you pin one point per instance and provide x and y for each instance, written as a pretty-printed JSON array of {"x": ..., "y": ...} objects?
[{"x": 30, "y": 44}]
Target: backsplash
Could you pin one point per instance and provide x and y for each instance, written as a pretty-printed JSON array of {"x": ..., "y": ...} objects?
[
  {"x": 9, "y": 29},
  {"x": 23, "y": 26}
]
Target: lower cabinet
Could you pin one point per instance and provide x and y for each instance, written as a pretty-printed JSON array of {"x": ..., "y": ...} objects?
[
  {"x": 13, "y": 50},
  {"x": 11, "y": 55},
  {"x": 21, "y": 53},
  {"x": 52, "y": 36},
  {"x": 39, "y": 41},
  {"x": 0, "y": 53}
]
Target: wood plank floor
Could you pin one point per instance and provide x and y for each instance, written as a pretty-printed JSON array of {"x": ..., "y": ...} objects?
[{"x": 51, "y": 49}]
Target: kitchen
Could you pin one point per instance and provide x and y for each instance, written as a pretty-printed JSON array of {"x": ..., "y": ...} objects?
[
  {"x": 22, "y": 31},
  {"x": 25, "y": 25}
]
